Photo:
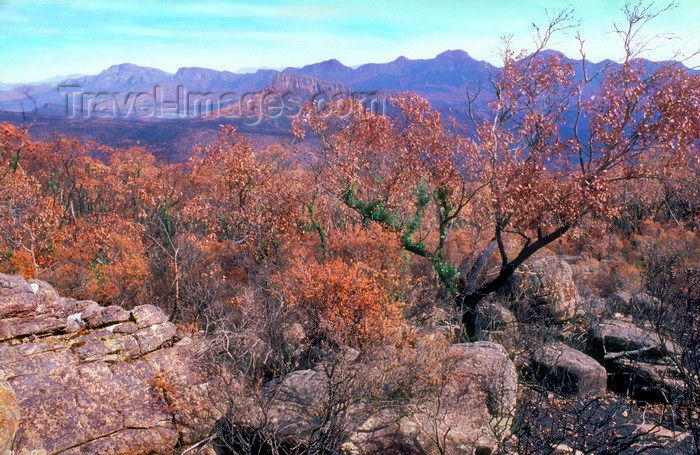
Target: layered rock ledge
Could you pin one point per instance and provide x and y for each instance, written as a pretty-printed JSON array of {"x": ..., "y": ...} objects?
[{"x": 78, "y": 378}]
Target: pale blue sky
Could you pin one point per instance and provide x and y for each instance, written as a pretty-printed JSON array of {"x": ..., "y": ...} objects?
[{"x": 41, "y": 38}]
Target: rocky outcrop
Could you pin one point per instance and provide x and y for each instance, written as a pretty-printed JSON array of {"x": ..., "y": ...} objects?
[
  {"x": 87, "y": 379},
  {"x": 639, "y": 362},
  {"x": 568, "y": 371},
  {"x": 305, "y": 86},
  {"x": 79, "y": 378}
]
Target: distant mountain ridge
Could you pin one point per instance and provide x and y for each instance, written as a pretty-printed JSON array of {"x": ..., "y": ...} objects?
[{"x": 441, "y": 80}]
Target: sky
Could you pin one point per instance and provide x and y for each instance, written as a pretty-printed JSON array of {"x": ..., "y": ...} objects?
[{"x": 40, "y": 39}]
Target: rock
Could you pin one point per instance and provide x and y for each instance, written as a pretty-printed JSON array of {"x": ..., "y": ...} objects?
[
  {"x": 9, "y": 417},
  {"x": 568, "y": 371},
  {"x": 148, "y": 315},
  {"x": 66, "y": 307},
  {"x": 307, "y": 85},
  {"x": 124, "y": 327},
  {"x": 429, "y": 335},
  {"x": 47, "y": 297},
  {"x": 645, "y": 305},
  {"x": 478, "y": 399},
  {"x": 294, "y": 335},
  {"x": 565, "y": 449},
  {"x": 153, "y": 337},
  {"x": 495, "y": 317},
  {"x": 111, "y": 349},
  {"x": 546, "y": 289},
  {"x": 193, "y": 393},
  {"x": 498, "y": 324},
  {"x": 20, "y": 298},
  {"x": 19, "y": 327},
  {"x": 129, "y": 442},
  {"x": 95, "y": 407},
  {"x": 41, "y": 397},
  {"x": 484, "y": 395},
  {"x": 593, "y": 307},
  {"x": 42, "y": 358},
  {"x": 75, "y": 323},
  {"x": 16, "y": 297},
  {"x": 611, "y": 335},
  {"x": 621, "y": 300},
  {"x": 300, "y": 398},
  {"x": 637, "y": 361},
  {"x": 348, "y": 448},
  {"x": 97, "y": 316},
  {"x": 299, "y": 401},
  {"x": 74, "y": 377},
  {"x": 647, "y": 381},
  {"x": 555, "y": 287}
]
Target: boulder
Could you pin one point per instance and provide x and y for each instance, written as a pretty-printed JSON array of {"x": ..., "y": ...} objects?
[
  {"x": 153, "y": 337},
  {"x": 298, "y": 406},
  {"x": 621, "y": 300},
  {"x": 436, "y": 334},
  {"x": 46, "y": 295},
  {"x": 655, "y": 382},
  {"x": 75, "y": 377},
  {"x": 148, "y": 315},
  {"x": 301, "y": 397},
  {"x": 498, "y": 324},
  {"x": 97, "y": 316},
  {"x": 544, "y": 290},
  {"x": 645, "y": 305},
  {"x": 495, "y": 317},
  {"x": 612, "y": 335},
  {"x": 568, "y": 371}
]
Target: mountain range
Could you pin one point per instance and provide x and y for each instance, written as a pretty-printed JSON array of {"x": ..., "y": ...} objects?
[{"x": 442, "y": 80}]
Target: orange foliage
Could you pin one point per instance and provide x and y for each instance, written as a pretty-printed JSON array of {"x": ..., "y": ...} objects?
[
  {"x": 104, "y": 260},
  {"x": 28, "y": 224},
  {"x": 346, "y": 303},
  {"x": 242, "y": 195},
  {"x": 378, "y": 250}
]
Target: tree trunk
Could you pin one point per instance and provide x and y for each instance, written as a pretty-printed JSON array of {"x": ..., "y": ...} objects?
[{"x": 468, "y": 302}]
